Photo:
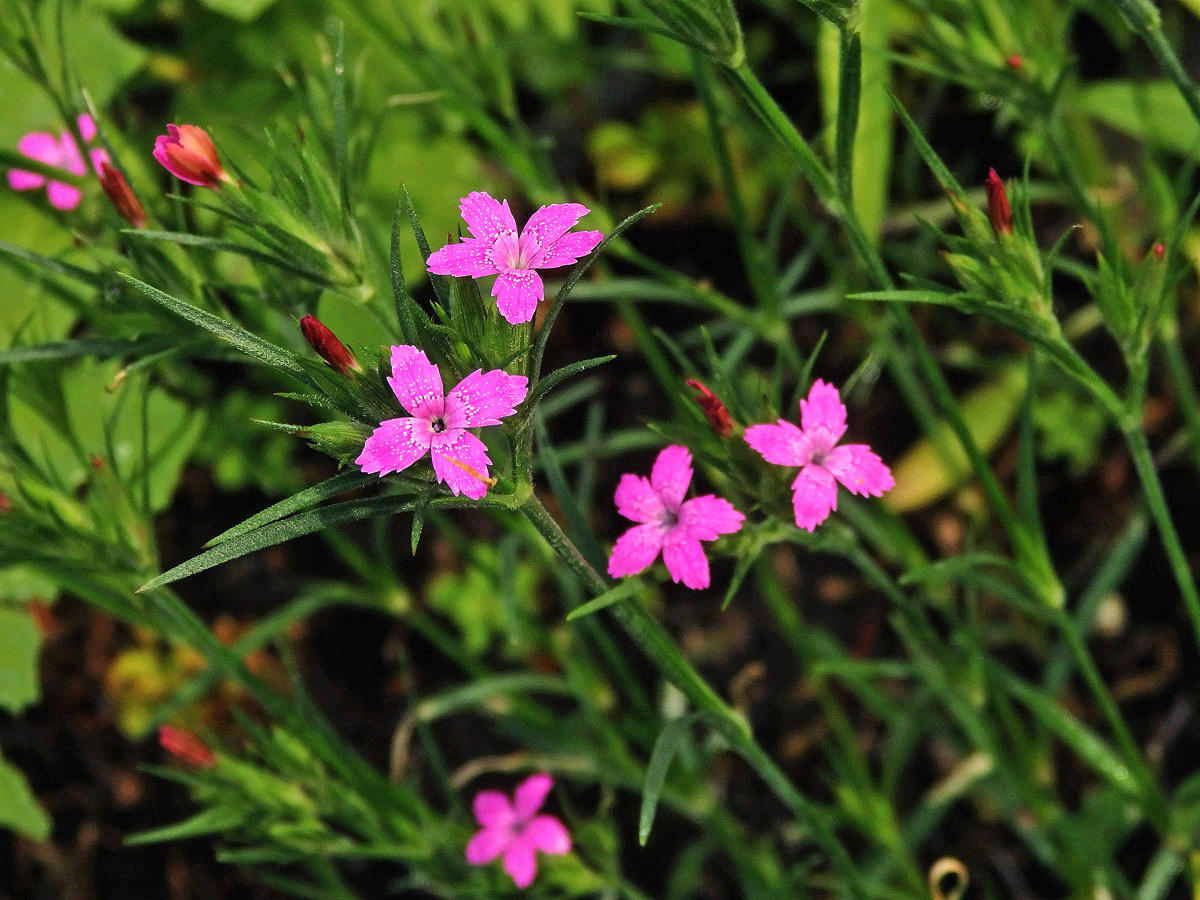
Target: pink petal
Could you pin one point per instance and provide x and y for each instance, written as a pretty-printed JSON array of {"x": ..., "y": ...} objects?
[
  {"x": 394, "y": 446},
  {"x": 823, "y": 409},
  {"x": 814, "y": 497},
  {"x": 637, "y": 501},
  {"x": 635, "y": 550},
  {"x": 685, "y": 560},
  {"x": 87, "y": 126},
  {"x": 568, "y": 249},
  {"x": 859, "y": 469},
  {"x": 466, "y": 259},
  {"x": 531, "y": 794},
  {"x": 460, "y": 461},
  {"x": 72, "y": 160},
  {"x": 546, "y": 226},
  {"x": 99, "y": 157},
  {"x": 520, "y": 862},
  {"x": 20, "y": 180},
  {"x": 549, "y": 835},
  {"x": 783, "y": 444},
  {"x": 517, "y": 293},
  {"x": 41, "y": 146},
  {"x": 708, "y": 517},
  {"x": 493, "y": 809},
  {"x": 484, "y": 398},
  {"x": 671, "y": 475},
  {"x": 416, "y": 382},
  {"x": 63, "y": 196},
  {"x": 486, "y": 217},
  {"x": 487, "y": 844}
]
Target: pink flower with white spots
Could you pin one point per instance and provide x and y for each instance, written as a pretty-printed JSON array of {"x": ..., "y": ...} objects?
[
  {"x": 497, "y": 249},
  {"x": 515, "y": 831},
  {"x": 668, "y": 523},
  {"x": 813, "y": 447},
  {"x": 437, "y": 422},
  {"x": 61, "y": 152}
]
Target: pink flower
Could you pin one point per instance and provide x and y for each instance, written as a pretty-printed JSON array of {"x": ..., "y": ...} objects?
[
  {"x": 62, "y": 153},
  {"x": 496, "y": 249},
  {"x": 812, "y": 446},
  {"x": 514, "y": 831},
  {"x": 438, "y": 422},
  {"x": 668, "y": 523},
  {"x": 188, "y": 153}
]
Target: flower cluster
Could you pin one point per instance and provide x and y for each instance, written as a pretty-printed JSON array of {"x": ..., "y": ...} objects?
[{"x": 60, "y": 152}]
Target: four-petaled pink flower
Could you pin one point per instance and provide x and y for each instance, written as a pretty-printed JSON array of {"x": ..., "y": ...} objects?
[
  {"x": 813, "y": 447},
  {"x": 667, "y": 522},
  {"x": 62, "y": 153},
  {"x": 497, "y": 249},
  {"x": 437, "y": 423},
  {"x": 515, "y": 831}
]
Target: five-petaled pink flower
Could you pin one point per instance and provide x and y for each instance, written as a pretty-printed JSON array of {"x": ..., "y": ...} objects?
[
  {"x": 497, "y": 249},
  {"x": 515, "y": 831},
  {"x": 62, "y": 153},
  {"x": 813, "y": 447},
  {"x": 437, "y": 423},
  {"x": 667, "y": 522}
]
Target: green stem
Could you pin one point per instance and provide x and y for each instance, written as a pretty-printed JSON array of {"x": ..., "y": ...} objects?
[
  {"x": 660, "y": 647},
  {"x": 1143, "y": 461},
  {"x": 849, "y": 94},
  {"x": 1144, "y": 18}
]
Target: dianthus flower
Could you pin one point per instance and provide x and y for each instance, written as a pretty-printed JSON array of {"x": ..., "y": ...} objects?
[
  {"x": 497, "y": 249},
  {"x": 813, "y": 447},
  {"x": 437, "y": 423},
  {"x": 186, "y": 746},
  {"x": 61, "y": 152},
  {"x": 188, "y": 153},
  {"x": 668, "y": 523},
  {"x": 515, "y": 831}
]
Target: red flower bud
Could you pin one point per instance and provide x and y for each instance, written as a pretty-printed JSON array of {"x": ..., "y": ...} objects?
[
  {"x": 186, "y": 746},
  {"x": 328, "y": 347},
  {"x": 714, "y": 410},
  {"x": 997, "y": 200},
  {"x": 188, "y": 153},
  {"x": 1160, "y": 251},
  {"x": 1015, "y": 61},
  {"x": 122, "y": 196}
]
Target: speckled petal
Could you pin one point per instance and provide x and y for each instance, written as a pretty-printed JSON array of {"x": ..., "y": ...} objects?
[
  {"x": 517, "y": 293},
  {"x": 416, "y": 382},
  {"x": 859, "y": 470},
  {"x": 485, "y": 216},
  {"x": 467, "y": 259},
  {"x": 637, "y": 501},
  {"x": 567, "y": 250},
  {"x": 671, "y": 475},
  {"x": 484, "y": 398},
  {"x": 823, "y": 408},
  {"x": 461, "y": 462},
  {"x": 394, "y": 446},
  {"x": 814, "y": 497},
  {"x": 635, "y": 550}
]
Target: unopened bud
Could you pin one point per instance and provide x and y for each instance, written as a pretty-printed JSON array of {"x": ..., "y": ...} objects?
[
  {"x": 714, "y": 410},
  {"x": 997, "y": 201},
  {"x": 328, "y": 347},
  {"x": 1015, "y": 61},
  {"x": 186, "y": 746},
  {"x": 188, "y": 153},
  {"x": 122, "y": 196},
  {"x": 1160, "y": 251}
]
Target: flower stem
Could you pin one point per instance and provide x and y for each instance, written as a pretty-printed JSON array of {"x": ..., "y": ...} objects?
[
  {"x": 1139, "y": 449},
  {"x": 657, "y": 644}
]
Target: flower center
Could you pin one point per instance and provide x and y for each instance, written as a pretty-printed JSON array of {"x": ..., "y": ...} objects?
[{"x": 438, "y": 425}]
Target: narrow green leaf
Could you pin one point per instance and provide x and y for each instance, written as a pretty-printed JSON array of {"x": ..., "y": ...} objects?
[
  {"x": 299, "y": 501},
  {"x": 217, "y": 245},
  {"x": 215, "y": 820},
  {"x": 539, "y": 346},
  {"x": 250, "y": 344},
  {"x": 932, "y": 160},
  {"x": 57, "y": 266},
  {"x": 439, "y": 282},
  {"x": 72, "y": 350},
  {"x": 664, "y": 751},
  {"x": 608, "y": 598},
  {"x": 558, "y": 376},
  {"x": 279, "y": 532}
]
